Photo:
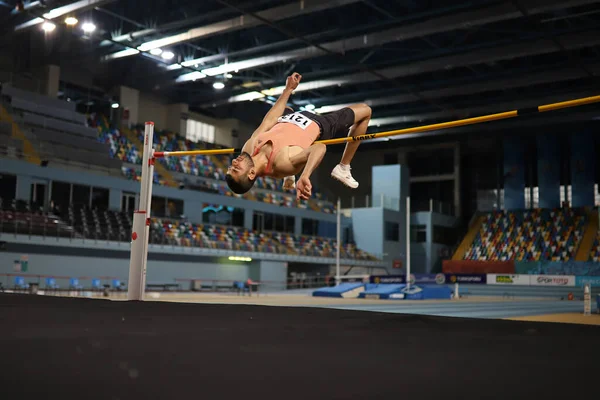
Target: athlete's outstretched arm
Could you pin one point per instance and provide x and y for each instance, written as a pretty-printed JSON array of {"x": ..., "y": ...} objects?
[{"x": 280, "y": 105}]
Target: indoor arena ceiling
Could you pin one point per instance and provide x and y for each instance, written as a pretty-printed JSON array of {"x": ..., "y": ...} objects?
[{"x": 413, "y": 61}]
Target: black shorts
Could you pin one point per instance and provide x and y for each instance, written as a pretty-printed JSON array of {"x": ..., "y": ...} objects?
[{"x": 334, "y": 124}]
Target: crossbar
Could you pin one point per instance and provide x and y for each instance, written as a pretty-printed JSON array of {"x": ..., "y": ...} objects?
[{"x": 424, "y": 128}]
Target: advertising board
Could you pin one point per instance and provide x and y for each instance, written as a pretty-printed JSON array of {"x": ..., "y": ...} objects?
[
  {"x": 551, "y": 280},
  {"x": 594, "y": 281},
  {"x": 464, "y": 278},
  {"x": 507, "y": 279}
]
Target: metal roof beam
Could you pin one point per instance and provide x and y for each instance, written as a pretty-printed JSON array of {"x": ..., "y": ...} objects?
[
  {"x": 569, "y": 41},
  {"x": 536, "y": 78},
  {"x": 245, "y": 21}
]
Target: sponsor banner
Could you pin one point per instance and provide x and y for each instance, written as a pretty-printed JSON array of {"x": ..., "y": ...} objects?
[
  {"x": 462, "y": 278},
  {"x": 594, "y": 281},
  {"x": 423, "y": 278},
  {"x": 507, "y": 279},
  {"x": 571, "y": 267},
  {"x": 477, "y": 267},
  {"x": 387, "y": 279},
  {"x": 552, "y": 280}
]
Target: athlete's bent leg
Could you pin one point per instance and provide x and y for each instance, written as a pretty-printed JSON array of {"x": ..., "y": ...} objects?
[{"x": 341, "y": 172}]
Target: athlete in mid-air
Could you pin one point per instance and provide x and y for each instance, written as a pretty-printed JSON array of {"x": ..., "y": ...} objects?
[{"x": 284, "y": 145}]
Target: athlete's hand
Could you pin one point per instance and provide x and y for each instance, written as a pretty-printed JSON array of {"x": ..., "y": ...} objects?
[
  {"x": 289, "y": 182},
  {"x": 293, "y": 81},
  {"x": 303, "y": 188}
]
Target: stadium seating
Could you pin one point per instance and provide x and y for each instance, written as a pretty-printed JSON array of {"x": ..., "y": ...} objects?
[
  {"x": 182, "y": 233},
  {"x": 56, "y": 130},
  {"x": 80, "y": 221},
  {"x": 531, "y": 235},
  {"x": 211, "y": 168}
]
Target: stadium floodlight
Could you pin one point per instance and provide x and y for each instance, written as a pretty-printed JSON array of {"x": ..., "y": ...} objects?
[
  {"x": 88, "y": 27},
  {"x": 71, "y": 21},
  {"x": 48, "y": 26}
]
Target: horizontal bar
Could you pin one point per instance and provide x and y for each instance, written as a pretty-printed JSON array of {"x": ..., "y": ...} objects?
[{"x": 417, "y": 129}]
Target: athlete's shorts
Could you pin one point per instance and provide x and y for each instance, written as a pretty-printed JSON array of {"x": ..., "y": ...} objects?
[{"x": 334, "y": 124}]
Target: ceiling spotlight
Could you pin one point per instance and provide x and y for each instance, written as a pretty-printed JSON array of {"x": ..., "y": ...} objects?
[
  {"x": 71, "y": 21},
  {"x": 88, "y": 27},
  {"x": 167, "y": 55},
  {"x": 218, "y": 85},
  {"x": 115, "y": 105},
  {"x": 310, "y": 107},
  {"x": 48, "y": 26},
  {"x": 228, "y": 76},
  {"x": 156, "y": 52}
]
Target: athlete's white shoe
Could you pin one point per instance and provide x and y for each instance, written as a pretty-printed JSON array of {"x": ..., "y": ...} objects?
[{"x": 342, "y": 174}]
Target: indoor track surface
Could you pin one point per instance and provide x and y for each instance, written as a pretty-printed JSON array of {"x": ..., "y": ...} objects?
[{"x": 102, "y": 349}]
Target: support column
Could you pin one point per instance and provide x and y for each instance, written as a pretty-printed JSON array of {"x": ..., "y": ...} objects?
[
  {"x": 52, "y": 80},
  {"x": 129, "y": 103},
  {"x": 248, "y": 218},
  {"x": 457, "y": 204}
]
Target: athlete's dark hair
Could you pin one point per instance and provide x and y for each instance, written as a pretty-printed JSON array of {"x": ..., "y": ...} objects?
[{"x": 239, "y": 187}]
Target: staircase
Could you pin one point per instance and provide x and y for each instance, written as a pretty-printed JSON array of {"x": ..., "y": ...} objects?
[
  {"x": 162, "y": 171},
  {"x": 587, "y": 241},
  {"x": 469, "y": 238},
  {"x": 31, "y": 155}
]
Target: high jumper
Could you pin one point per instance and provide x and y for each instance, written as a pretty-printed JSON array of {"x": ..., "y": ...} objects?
[{"x": 284, "y": 145}]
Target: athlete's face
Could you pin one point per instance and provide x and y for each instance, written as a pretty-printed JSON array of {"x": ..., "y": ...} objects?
[{"x": 241, "y": 166}]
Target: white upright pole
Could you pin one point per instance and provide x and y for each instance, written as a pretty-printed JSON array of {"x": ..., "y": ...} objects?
[
  {"x": 339, "y": 244},
  {"x": 141, "y": 222},
  {"x": 407, "y": 242}
]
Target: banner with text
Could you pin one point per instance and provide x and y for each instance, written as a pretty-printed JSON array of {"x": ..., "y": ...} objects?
[
  {"x": 551, "y": 280},
  {"x": 507, "y": 279},
  {"x": 393, "y": 279},
  {"x": 592, "y": 280},
  {"x": 463, "y": 278}
]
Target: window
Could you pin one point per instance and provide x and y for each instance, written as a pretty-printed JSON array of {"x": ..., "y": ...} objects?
[
  {"x": 310, "y": 227},
  {"x": 60, "y": 198},
  {"x": 532, "y": 202},
  {"x": 197, "y": 131},
  {"x": 8, "y": 187},
  {"x": 174, "y": 208},
  {"x": 418, "y": 233},
  {"x": 444, "y": 235},
  {"x": 569, "y": 194},
  {"x": 100, "y": 198},
  {"x": 596, "y": 195},
  {"x": 392, "y": 231},
  {"x": 81, "y": 195}
]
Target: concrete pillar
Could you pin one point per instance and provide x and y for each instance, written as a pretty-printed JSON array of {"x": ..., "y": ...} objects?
[
  {"x": 297, "y": 226},
  {"x": 129, "y": 103},
  {"x": 457, "y": 203},
  {"x": 114, "y": 199},
  {"x": 175, "y": 112},
  {"x": 52, "y": 80},
  {"x": 248, "y": 218},
  {"x": 23, "y": 187}
]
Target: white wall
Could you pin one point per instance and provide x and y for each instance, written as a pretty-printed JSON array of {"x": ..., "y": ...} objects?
[
  {"x": 224, "y": 127},
  {"x": 152, "y": 108},
  {"x": 94, "y": 267}
]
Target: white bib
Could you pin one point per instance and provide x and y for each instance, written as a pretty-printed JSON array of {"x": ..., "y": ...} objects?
[{"x": 297, "y": 119}]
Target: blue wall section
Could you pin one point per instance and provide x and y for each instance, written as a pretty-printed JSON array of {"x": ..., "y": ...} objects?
[
  {"x": 514, "y": 173},
  {"x": 583, "y": 168},
  {"x": 327, "y": 229},
  {"x": 367, "y": 228},
  {"x": 386, "y": 181},
  {"x": 548, "y": 170}
]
